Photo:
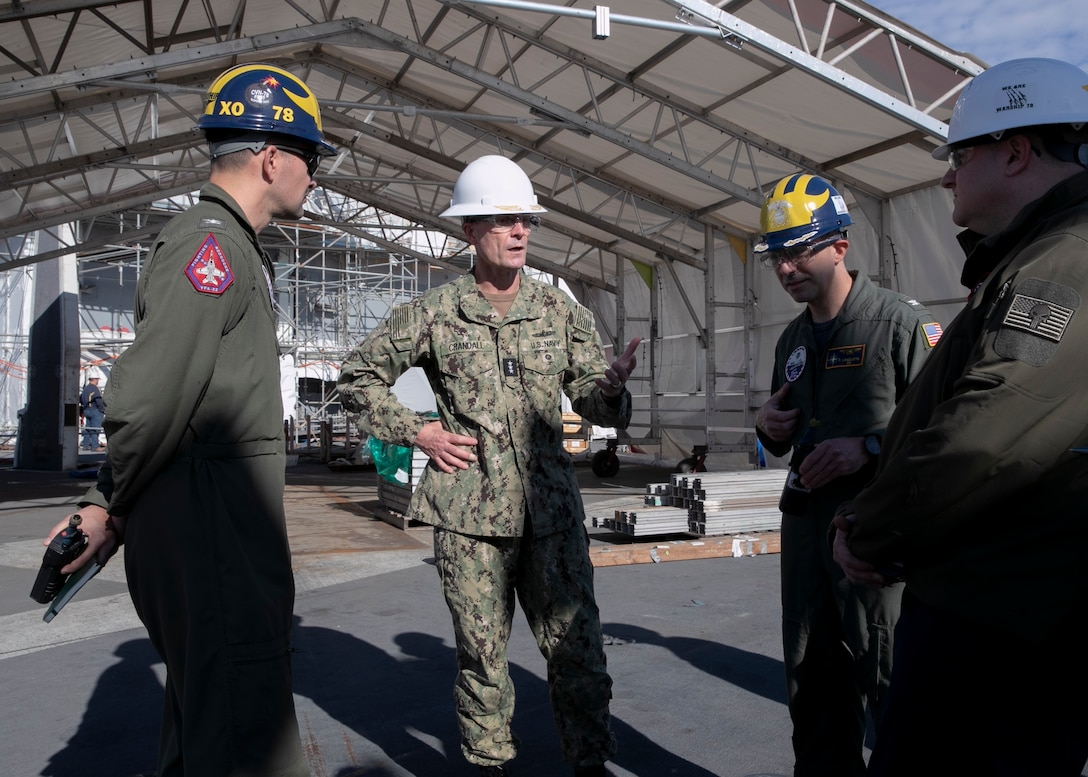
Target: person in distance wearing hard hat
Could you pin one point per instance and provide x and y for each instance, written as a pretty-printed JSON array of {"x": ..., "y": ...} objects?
[
  {"x": 499, "y": 349},
  {"x": 194, "y": 477},
  {"x": 839, "y": 369},
  {"x": 983, "y": 481}
]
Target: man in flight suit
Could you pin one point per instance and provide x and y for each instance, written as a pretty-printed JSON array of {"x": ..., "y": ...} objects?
[
  {"x": 839, "y": 369},
  {"x": 194, "y": 477},
  {"x": 500, "y": 349}
]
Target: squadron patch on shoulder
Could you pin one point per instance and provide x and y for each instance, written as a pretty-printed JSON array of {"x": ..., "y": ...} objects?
[
  {"x": 1036, "y": 321},
  {"x": 208, "y": 270},
  {"x": 795, "y": 365}
]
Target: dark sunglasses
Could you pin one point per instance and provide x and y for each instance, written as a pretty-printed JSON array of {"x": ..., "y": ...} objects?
[{"x": 311, "y": 158}]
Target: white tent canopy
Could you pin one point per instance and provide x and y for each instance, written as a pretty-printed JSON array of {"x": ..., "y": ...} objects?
[{"x": 651, "y": 137}]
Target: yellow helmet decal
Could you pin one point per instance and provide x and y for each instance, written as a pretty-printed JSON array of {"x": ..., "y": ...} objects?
[
  {"x": 308, "y": 103},
  {"x": 790, "y": 206}
]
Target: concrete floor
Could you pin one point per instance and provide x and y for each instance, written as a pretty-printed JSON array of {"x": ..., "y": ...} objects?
[{"x": 693, "y": 648}]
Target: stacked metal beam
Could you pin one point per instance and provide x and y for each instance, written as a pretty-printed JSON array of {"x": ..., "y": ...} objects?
[
  {"x": 731, "y": 502},
  {"x": 650, "y": 520},
  {"x": 704, "y": 503}
]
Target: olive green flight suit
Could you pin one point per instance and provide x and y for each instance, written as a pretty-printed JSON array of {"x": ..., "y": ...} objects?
[
  {"x": 196, "y": 465},
  {"x": 837, "y": 637}
]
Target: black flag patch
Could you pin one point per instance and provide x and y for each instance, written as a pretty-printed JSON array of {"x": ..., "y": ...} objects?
[{"x": 1036, "y": 321}]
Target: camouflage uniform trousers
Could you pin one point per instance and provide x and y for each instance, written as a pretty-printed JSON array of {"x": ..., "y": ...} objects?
[{"x": 553, "y": 579}]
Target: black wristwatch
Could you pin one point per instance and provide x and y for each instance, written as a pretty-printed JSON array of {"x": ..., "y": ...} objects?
[{"x": 872, "y": 445}]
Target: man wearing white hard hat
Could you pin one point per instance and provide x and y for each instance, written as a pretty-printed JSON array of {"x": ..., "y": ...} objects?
[
  {"x": 982, "y": 486},
  {"x": 500, "y": 349}
]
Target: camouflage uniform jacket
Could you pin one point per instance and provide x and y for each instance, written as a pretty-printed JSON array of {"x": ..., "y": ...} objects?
[{"x": 500, "y": 381}]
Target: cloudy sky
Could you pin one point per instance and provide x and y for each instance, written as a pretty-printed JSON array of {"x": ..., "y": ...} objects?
[{"x": 997, "y": 30}]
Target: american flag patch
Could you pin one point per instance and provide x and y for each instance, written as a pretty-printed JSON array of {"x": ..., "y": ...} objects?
[
  {"x": 933, "y": 333},
  {"x": 1039, "y": 316}
]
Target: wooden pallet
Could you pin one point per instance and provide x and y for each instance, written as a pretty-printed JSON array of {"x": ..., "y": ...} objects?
[
  {"x": 398, "y": 519},
  {"x": 730, "y": 546}
]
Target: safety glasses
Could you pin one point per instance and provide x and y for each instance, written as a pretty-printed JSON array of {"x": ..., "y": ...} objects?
[
  {"x": 798, "y": 256},
  {"x": 504, "y": 222}
]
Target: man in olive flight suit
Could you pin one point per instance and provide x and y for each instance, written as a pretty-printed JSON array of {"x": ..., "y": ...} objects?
[
  {"x": 839, "y": 369},
  {"x": 499, "y": 349},
  {"x": 194, "y": 478}
]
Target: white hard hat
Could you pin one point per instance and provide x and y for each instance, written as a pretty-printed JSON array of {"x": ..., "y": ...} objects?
[
  {"x": 491, "y": 185},
  {"x": 1018, "y": 93}
]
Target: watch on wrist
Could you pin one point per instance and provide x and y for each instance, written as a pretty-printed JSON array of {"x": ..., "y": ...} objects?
[{"x": 872, "y": 445}]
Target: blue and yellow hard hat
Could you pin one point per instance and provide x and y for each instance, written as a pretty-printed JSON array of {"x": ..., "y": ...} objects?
[
  {"x": 264, "y": 98},
  {"x": 799, "y": 209}
]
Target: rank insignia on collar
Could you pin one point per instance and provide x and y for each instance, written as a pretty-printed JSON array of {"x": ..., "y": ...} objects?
[{"x": 208, "y": 270}]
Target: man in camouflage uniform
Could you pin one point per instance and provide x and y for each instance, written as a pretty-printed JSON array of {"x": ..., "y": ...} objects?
[{"x": 499, "y": 349}]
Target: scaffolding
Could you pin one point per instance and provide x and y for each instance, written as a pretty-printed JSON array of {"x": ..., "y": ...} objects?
[{"x": 332, "y": 286}]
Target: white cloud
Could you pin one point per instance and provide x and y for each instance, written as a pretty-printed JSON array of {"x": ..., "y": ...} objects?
[{"x": 998, "y": 30}]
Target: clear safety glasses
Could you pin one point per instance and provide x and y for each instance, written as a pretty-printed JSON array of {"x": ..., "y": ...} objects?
[
  {"x": 798, "y": 256},
  {"x": 504, "y": 222}
]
